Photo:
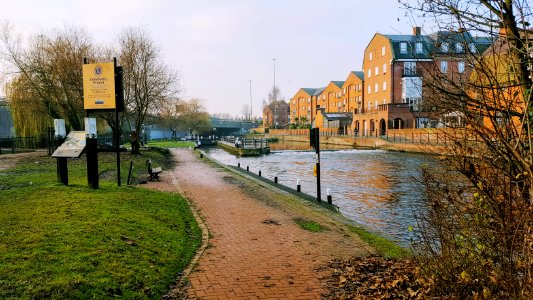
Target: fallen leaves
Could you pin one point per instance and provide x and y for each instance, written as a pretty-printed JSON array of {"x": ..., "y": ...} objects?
[{"x": 375, "y": 278}]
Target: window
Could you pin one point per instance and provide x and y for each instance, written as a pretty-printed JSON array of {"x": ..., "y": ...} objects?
[
  {"x": 459, "y": 48},
  {"x": 403, "y": 47},
  {"x": 384, "y": 68},
  {"x": 409, "y": 68},
  {"x": 369, "y": 89},
  {"x": 444, "y": 66},
  {"x": 444, "y": 47},
  {"x": 461, "y": 66},
  {"x": 309, "y": 100},
  {"x": 369, "y": 105},
  {"x": 376, "y": 71},
  {"x": 376, "y": 88},
  {"x": 376, "y": 105},
  {"x": 384, "y": 101},
  {"x": 384, "y": 85},
  {"x": 369, "y": 73},
  {"x": 370, "y": 56},
  {"x": 418, "y": 48},
  {"x": 383, "y": 51}
]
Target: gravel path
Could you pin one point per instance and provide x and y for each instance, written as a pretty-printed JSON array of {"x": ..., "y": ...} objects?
[{"x": 255, "y": 250}]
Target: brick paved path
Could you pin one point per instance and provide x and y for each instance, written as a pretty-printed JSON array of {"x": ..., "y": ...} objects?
[{"x": 255, "y": 251}]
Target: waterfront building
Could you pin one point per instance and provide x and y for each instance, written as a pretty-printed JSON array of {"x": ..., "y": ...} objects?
[
  {"x": 331, "y": 99},
  {"x": 276, "y": 114},
  {"x": 389, "y": 93},
  {"x": 303, "y": 106}
]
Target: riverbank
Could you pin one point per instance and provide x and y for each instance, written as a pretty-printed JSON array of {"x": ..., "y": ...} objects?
[
  {"x": 426, "y": 141},
  {"x": 259, "y": 237}
]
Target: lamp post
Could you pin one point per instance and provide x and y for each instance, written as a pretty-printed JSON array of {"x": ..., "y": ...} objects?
[
  {"x": 275, "y": 98},
  {"x": 250, "y": 99}
]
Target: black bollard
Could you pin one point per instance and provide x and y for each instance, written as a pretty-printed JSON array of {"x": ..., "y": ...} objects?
[
  {"x": 201, "y": 155},
  {"x": 275, "y": 179},
  {"x": 330, "y": 201},
  {"x": 239, "y": 165},
  {"x": 259, "y": 173},
  {"x": 298, "y": 186},
  {"x": 130, "y": 172},
  {"x": 247, "y": 168}
]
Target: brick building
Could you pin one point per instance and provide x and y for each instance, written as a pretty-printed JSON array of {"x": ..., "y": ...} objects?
[
  {"x": 389, "y": 92},
  {"x": 276, "y": 115}
]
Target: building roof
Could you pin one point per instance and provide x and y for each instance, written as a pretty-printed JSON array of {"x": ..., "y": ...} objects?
[
  {"x": 337, "y": 116},
  {"x": 318, "y": 91},
  {"x": 338, "y": 83},
  {"x": 431, "y": 43},
  {"x": 309, "y": 91},
  {"x": 359, "y": 74}
]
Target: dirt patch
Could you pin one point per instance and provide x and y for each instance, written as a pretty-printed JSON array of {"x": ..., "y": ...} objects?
[{"x": 10, "y": 160}]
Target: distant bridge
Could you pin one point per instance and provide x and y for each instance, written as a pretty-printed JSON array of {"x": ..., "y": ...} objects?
[{"x": 232, "y": 127}]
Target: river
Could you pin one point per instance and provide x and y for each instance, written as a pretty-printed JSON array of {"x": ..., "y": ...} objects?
[{"x": 376, "y": 188}]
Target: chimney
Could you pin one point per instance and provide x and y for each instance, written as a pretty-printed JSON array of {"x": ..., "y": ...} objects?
[{"x": 416, "y": 31}]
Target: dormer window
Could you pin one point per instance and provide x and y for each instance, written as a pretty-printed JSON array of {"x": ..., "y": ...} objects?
[
  {"x": 459, "y": 48},
  {"x": 403, "y": 47},
  {"x": 444, "y": 47},
  {"x": 419, "y": 48}
]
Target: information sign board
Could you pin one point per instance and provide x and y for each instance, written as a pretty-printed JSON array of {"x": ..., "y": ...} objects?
[
  {"x": 99, "y": 86},
  {"x": 73, "y": 146}
]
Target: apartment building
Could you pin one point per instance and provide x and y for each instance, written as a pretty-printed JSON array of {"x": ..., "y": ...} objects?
[{"x": 389, "y": 92}]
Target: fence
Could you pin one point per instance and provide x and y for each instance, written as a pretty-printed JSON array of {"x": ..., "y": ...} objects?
[
  {"x": 246, "y": 143},
  {"x": 11, "y": 144},
  {"x": 429, "y": 136}
]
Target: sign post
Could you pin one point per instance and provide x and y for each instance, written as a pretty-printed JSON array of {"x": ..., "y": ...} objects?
[
  {"x": 103, "y": 91},
  {"x": 314, "y": 139}
]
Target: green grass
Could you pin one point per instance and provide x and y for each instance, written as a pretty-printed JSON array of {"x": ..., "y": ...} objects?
[
  {"x": 172, "y": 144},
  {"x": 67, "y": 242},
  {"x": 385, "y": 247},
  {"x": 309, "y": 225}
]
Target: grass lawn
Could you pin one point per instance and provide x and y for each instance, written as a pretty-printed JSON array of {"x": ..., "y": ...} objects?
[
  {"x": 74, "y": 242},
  {"x": 172, "y": 144}
]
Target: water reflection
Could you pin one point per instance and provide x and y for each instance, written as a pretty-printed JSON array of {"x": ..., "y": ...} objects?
[{"x": 373, "y": 187}]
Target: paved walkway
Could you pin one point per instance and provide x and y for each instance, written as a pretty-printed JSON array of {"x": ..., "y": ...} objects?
[{"x": 256, "y": 250}]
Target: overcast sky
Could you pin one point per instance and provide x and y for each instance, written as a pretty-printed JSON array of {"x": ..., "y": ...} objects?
[{"x": 219, "y": 45}]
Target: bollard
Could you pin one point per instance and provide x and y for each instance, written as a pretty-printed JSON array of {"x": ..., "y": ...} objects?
[
  {"x": 201, "y": 155},
  {"x": 298, "y": 187},
  {"x": 275, "y": 179},
  {"x": 328, "y": 192},
  {"x": 239, "y": 165},
  {"x": 247, "y": 168},
  {"x": 259, "y": 173},
  {"x": 130, "y": 172}
]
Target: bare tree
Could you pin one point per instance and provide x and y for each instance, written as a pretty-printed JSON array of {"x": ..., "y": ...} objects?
[
  {"x": 148, "y": 81},
  {"x": 46, "y": 74},
  {"x": 196, "y": 119},
  {"x": 476, "y": 237},
  {"x": 171, "y": 114},
  {"x": 246, "y": 112}
]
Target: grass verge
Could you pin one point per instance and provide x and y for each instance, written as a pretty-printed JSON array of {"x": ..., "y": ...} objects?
[
  {"x": 382, "y": 245},
  {"x": 67, "y": 242},
  {"x": 309, "y": 225},
  {"x": 172, "y": 144}
]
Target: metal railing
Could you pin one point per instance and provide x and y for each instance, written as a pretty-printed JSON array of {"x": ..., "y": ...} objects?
[{"x": 246, "y": 143}]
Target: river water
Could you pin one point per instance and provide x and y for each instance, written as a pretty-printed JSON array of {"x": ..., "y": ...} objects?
[{"x": 378, "y": 189}]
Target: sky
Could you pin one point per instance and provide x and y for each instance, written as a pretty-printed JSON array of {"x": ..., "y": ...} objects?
[{"x": 218, "y": 46}]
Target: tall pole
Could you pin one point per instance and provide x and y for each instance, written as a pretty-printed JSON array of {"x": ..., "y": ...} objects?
[
  {"x": 250, "y": 100},
  {"x": 275, "y": 98}
]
